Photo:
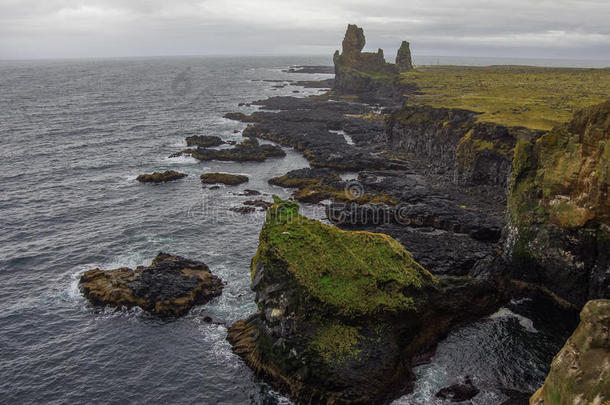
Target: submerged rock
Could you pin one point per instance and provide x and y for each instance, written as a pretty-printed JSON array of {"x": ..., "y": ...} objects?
[
  {"x": 559, "y": 208},
  {"x": 158, "y": 177},
  {"x": 580, "y": 373},
  {"x": 459, "y": 392},
  {"x": 341, "y": 314},
  {"x": 170, "y": 286},
  {"x": 223, "y": 178}
]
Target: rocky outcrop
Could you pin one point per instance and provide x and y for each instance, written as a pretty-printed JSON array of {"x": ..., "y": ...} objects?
[
  {"x": 580, "y": 373},
  {"x": 170, "y": 286},
  {"x": 318, "y": 184},
  {"x": 471, "y": 152},
  {"x": 559, "y": 208},
  {"x": 403, "y": 58},
  {"x": 341, "y": 314},
  {"x": 248, "y": 150},
  {"x": 223, "y": 178},
  {"x": 203, "y": 141},
  {"x": 160, "y": 177},
  {"x": 366, "y": 72}
]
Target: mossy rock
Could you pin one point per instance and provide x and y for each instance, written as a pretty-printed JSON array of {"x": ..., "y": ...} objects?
[
  {"x": 223, "y": 178},
  {"x": 558, "y": 199},
  {"x": 353, "y": 273},
  {"x": 580, "y": 372},
  {"x": 158, "y": 177}
]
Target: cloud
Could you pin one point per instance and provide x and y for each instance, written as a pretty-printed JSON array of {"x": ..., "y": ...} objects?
[{"x": 72, "y": 28}]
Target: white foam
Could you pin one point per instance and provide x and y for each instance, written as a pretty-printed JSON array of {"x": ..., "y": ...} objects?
[
  {"x": 183, "y": 159},
  {"x": 525, "y": 323}
]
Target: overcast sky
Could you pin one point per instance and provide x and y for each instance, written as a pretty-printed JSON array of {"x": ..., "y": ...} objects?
[{"x": 513, "y": 28}]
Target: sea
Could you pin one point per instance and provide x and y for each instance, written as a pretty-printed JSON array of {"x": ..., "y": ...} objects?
[{"x": 74, "y": 134}]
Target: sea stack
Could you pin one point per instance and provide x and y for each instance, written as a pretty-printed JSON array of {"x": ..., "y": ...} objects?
[
  {"x": 341, "y": 314},
  {"x": 403, "y": 58},
  {"x": 361, "y": 72}
]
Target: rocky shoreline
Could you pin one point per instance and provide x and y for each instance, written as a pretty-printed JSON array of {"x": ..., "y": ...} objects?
[{"x": 438, "y": 218}]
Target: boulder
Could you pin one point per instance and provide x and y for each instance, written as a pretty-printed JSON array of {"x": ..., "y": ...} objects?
[
  {"x": 580, "y": 372},
  {"x": 170, "y": 286},
  {"x": 158, "y": 177},
  {"x": 342, "y": 314},
  {"x": 203, "y": 141},
  {"x": 223, "y": 178},
  {"x": 459, "y": 392}
]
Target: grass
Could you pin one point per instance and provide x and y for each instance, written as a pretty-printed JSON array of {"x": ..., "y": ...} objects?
[
  {"x": 353, "y": 273},
  {"x": 533, "y": 97}
]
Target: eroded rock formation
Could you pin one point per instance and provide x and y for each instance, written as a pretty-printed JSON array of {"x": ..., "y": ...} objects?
[
  {"x": 342, "y": 313},
  {"x": 360, "y": 72},
  {"x": 170, "y": 286}
]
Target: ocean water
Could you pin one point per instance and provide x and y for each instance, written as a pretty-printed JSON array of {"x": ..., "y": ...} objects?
[{"x": 74, "y": 135}]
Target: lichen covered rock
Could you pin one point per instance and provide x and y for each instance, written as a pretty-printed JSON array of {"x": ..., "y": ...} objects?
[
  {"x": 342, "y": 313},
  {"x": 580, "y": 373},
  {"x": 170, "y": 286},
  {"x": 559, "y": 231}
]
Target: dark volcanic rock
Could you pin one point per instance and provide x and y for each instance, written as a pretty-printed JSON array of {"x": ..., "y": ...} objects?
[
  {"x": 248, "y": 150},
  {"x": 243, "y": 210},
  {"x": 258, "y": 203},
  {"x": 238, "y": 116},
  {"x": 170, "y": 286},
  {"x": 158, "y": 177},
  {"x": 248, "y": 192},
  {"x": 331, "y": 329},
  {"x": 316, "y": 84},
  {"x": 203, "y": 141},
  {"x": 459, "y": 392},
  {"x": 223, "y": 178}
]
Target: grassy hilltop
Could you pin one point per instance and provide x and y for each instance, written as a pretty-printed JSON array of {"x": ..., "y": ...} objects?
[{"x": 534, "y": 97}]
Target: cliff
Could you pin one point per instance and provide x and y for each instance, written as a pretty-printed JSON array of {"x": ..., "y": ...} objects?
[
  {"x": 559, "y": 208},
  {"x": 580, "y": 373},
  {"x": 342, "y": 313}
]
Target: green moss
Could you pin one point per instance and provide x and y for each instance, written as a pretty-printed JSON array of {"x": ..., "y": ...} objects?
[
  {"x": 336, "y": 342},
  {"x": 353, "y": 273},
  {"x": 533, "y": 97}
]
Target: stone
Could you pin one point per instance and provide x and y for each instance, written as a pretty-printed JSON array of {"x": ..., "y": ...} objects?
[
  {"x": 169, "y": 287},
  {"x": 223, "y": 178},
  {"x": 158, "y": 177}
]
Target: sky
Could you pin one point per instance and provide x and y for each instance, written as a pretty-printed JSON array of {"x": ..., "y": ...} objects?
[{"x": 576, "y": 29}]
